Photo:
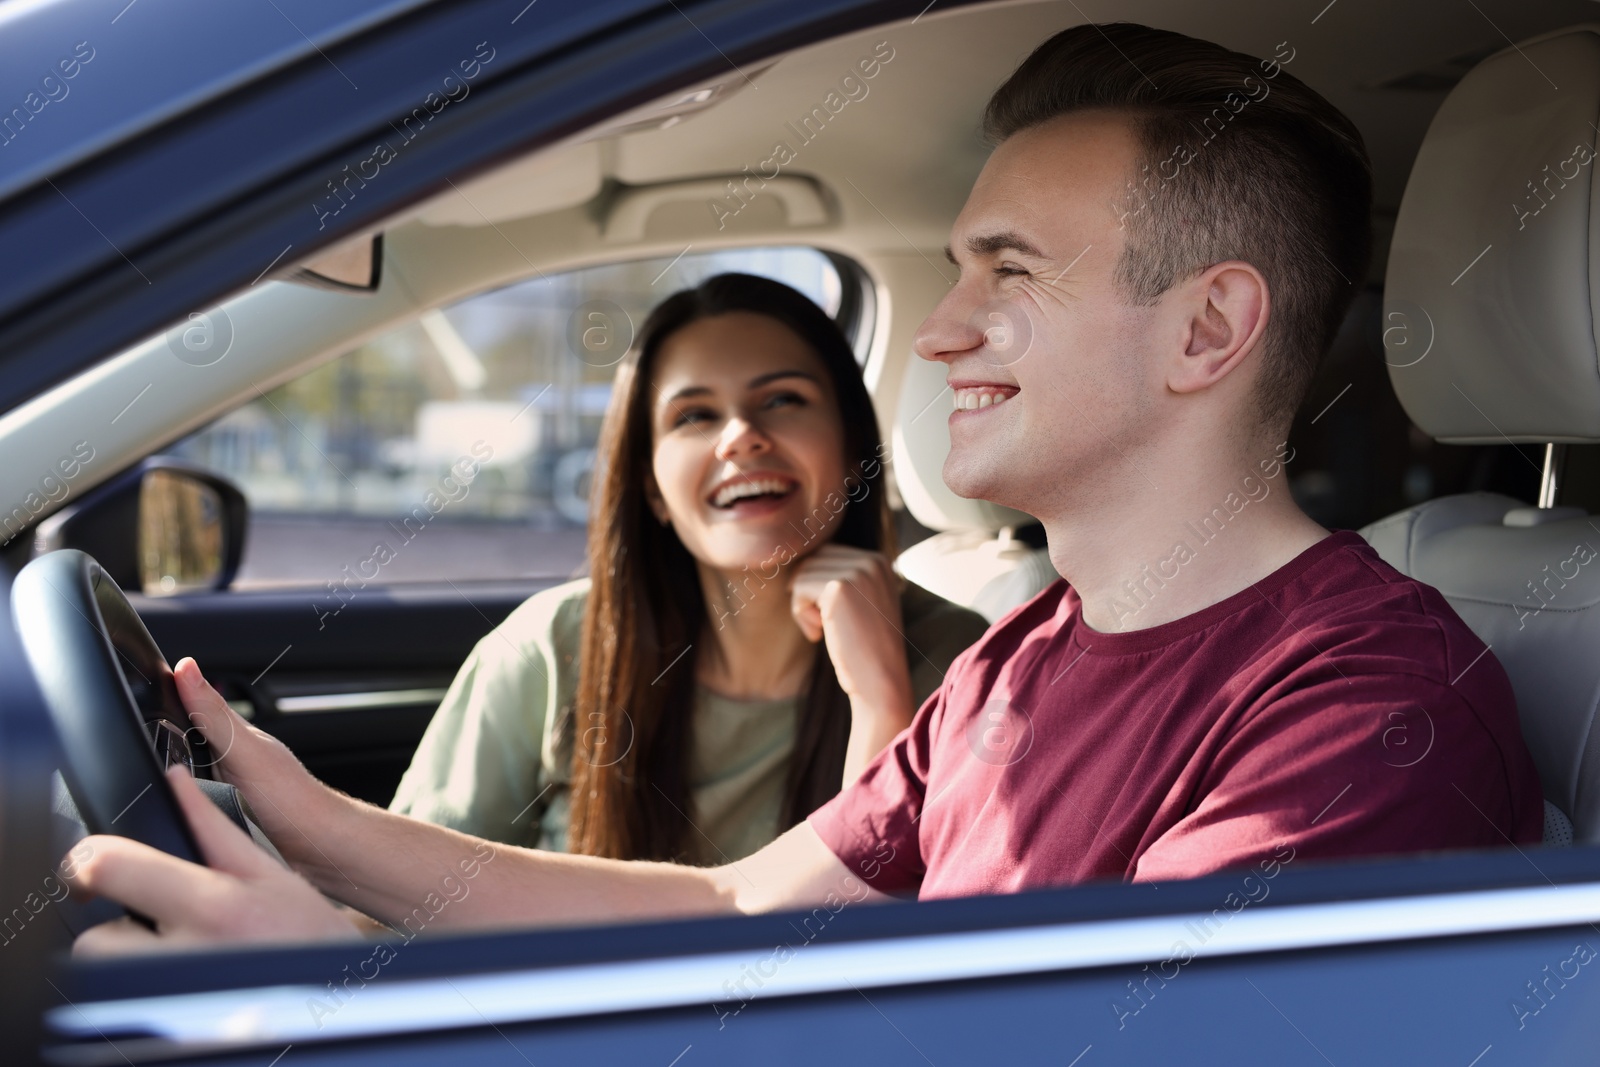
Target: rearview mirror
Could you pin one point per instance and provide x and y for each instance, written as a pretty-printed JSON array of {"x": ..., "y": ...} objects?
[{"x": 165, "y": 527}]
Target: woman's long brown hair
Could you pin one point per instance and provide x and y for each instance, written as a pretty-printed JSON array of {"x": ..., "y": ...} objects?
[{"x": 633, "y": 716}]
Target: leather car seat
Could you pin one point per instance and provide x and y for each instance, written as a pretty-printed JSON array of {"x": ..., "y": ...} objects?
[
  {"x": 1490, "y": 319},
  {"x": 974, "y": 559}
]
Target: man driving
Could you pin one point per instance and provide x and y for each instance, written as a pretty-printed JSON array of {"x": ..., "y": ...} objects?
[{"x": 1171, "y": 233}]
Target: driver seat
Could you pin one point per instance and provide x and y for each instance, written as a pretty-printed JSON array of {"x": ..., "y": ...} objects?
[{"x": 1491, "y": 310}]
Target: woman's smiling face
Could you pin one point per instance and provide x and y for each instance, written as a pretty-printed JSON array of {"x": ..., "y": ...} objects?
[{"x": 747, "y": 440}]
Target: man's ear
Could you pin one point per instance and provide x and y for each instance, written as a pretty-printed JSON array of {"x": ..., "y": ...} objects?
[{"x": 1228, "y": 313}]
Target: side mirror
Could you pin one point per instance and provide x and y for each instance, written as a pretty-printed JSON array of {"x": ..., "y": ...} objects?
[{"x": 166, "y": 526}]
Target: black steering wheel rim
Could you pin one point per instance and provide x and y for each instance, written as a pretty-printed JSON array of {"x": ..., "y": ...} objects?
[{"x": 77, "y": 629}]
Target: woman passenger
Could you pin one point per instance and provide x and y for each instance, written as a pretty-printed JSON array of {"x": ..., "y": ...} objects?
[{"x": 742, "y": 647}]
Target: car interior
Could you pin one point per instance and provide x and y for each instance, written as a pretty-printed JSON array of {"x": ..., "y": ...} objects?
[
  {"x": 1454, "y": 423},
  {"x": 233, "y": 472}
]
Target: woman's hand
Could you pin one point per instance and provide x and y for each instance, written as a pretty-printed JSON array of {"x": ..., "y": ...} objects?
[
  {"x": 850, "y": 598},
  {"x": 288, "y": 802},
  {"x": 242, "y": 897}
]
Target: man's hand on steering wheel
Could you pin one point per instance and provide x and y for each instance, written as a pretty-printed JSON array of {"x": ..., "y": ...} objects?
[
  {"x": 241, "y": 896},
  {"x": 287, "y": 801}
]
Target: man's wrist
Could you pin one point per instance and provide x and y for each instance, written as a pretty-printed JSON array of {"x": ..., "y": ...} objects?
[{"x": 330, "y": 817}]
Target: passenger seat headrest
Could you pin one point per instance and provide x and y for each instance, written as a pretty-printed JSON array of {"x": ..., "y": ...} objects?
[{"x": 1490, "y": 299}]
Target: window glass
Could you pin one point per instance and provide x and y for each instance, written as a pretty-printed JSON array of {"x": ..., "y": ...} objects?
[{"x": 461, "y": 442}]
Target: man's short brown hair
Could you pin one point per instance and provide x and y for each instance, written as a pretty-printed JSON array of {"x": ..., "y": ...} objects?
[{"x": 1238, "y": 160}]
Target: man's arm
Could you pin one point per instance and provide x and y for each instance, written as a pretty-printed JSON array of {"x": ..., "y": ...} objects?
[
  {"x": 407, "y": 873},
  {"x": 401, "y": 862}
]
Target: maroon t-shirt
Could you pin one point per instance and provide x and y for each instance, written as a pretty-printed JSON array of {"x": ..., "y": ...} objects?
[{"x": 1336, "y": 707}]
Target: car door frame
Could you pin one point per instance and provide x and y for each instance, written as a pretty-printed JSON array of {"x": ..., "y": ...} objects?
[{"x": 1102, "y": 956}]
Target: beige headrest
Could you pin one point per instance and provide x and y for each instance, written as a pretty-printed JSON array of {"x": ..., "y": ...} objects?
[{"x": 1489, "y": 308}]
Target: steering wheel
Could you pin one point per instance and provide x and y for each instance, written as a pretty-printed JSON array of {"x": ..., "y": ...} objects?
[{"x": 113, "y": 700}]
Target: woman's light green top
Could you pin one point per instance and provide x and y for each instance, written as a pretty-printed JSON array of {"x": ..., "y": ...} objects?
[{"x": 496, "y": 760}]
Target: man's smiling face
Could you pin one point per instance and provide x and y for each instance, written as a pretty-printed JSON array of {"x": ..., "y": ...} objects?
[{"x": 1048, "y": 362}]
